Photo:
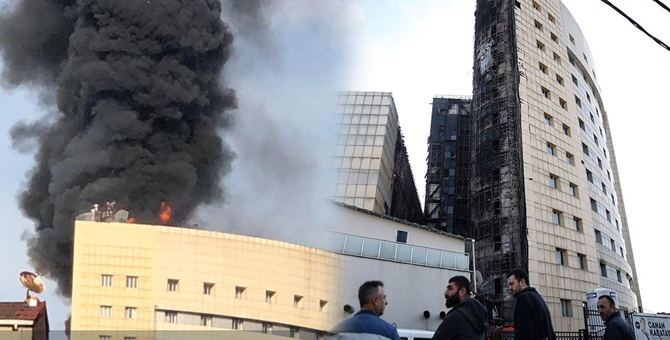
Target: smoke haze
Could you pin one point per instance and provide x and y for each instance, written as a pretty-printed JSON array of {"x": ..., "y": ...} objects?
[{"x": 289, "y": 58}]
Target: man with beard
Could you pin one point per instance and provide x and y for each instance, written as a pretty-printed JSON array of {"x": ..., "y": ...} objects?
[
  {"x": 532, "y": 320},
  {"x": 617, "y": 328},
  {"x": 467, "y": 318}
]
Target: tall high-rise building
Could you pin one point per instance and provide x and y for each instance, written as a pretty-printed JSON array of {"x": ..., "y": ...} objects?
[
  {"x": 545, "y": 193},
  {"x": 370, "y": 168},
  {"x": 447, "y": 176}
]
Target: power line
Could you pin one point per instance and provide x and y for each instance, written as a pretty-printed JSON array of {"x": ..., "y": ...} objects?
[
  {"x": 662, "y": 5},
  {"x": 638, "y": 25}
]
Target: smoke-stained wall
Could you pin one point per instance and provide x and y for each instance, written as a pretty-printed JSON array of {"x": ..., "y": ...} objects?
[{"x": 497, "y": 196}]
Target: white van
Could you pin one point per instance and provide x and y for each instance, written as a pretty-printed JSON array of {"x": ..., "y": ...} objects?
[{"x": 415, "y": 334}]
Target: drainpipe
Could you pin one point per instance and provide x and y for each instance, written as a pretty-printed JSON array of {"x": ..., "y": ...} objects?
[{"x": 474, "y": 266}]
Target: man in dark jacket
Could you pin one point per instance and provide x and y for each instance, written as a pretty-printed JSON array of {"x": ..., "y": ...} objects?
[
  {"x": 467, "y": 318},
  {"x": 532, "y": 320},
  {"x": 617, "y": 328}
]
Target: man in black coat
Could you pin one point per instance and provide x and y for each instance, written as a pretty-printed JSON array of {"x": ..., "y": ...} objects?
[
  {"x": 467, "y": 318},
  {"x": 532, "y": 320},
  {"x": 617, "y": 328}
]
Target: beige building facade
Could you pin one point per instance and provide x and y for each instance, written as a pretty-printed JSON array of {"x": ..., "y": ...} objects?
[
  {"x": 547, "y": 195},
  {"x": 577, "y": 231},
  {"x": 135, "y": 281}
]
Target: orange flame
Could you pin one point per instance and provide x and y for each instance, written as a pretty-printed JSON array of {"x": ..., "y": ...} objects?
[
  {"x": 165, "y": 213},
  {"x": 131, "y": 220}
]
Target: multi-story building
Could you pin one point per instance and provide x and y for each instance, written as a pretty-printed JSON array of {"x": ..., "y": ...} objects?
[
  {"x": 447, "y": 177},
  {"x": 545, "y": 193},
  {"x": 370, "y": 167},
  {"x": 135, "y": 282}
]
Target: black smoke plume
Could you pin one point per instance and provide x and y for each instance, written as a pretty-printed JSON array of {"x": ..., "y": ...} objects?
[{"x": 140, "y": 107}]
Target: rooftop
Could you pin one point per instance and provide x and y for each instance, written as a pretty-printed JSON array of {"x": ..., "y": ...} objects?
[{"x": 20, "y": 310}]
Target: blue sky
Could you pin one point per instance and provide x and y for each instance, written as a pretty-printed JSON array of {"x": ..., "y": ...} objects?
[{"x": 417, "y": 49}]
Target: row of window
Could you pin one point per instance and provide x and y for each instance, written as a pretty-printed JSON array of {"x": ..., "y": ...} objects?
[
  {"x": 555, "y": 183},
  {"x": 551, "y": 150},
  {"x": 613, "y": 274},
  {"x": 604, "y": 212},
  {"x": 562, "y": 259},
  {"x": 106, "y": 312},
  {"x": 107, "y": 280},
  {"x": 549, "y": 120},
  {"x": 609, "y": 243},
  {"x": 601, "y": 185}
]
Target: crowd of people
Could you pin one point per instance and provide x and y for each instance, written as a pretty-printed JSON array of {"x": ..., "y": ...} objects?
[{"x": 467, "y": 317}]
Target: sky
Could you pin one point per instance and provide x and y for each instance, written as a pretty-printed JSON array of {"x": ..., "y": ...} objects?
[{"x": 418, "y": 49}]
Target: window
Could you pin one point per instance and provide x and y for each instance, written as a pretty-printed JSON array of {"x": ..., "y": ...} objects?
[
  {"x": 546, "y": 93},
  {"x": 538, "y": 25},
  {"x": 540, "y": 45},
  {"x": 566, "y": 130},
  {"x": 585, "y": 58},
  {"x": 594, "y": 205},
  {"x": 559, "y": 79},
  {"x": 565, "y": 308},
  {"x": 107, "y": 280},
  {"x": 536, "y": 5},
  {"x": 569, "y": 158},
  {"x": 603, "y": 270},
  {"x": 581, "y": 125},
  {"x": 553, "y": 181},
  {"x": 603, "y": 187},
  {"x": 608, "y": 175},
  {"x": 593, "y": 120},
  {"x": 574, "y": 80},
  {"x": 171, "y": 317},
  {"x": 621, "y": 252},
  {"x": 600, "y": 163},
  {"x": 206, "y": 320},
  {"x": 573, "y": 189},
  {"x": 207, "y": 288},
  {"x": 172, "y": 285},
  {"x": 323, "y": 305},
  {"x": 585, "y": 148},
  {"x": 613, "y": 245},
  {"x": 558, "y": 59},
  {"x": 550, "y": 148},
  {"x": 554, "y": 38},
  {"x": 618, "y": 276},
  {"x": 548, "y": 119},
  {"x": 105, "y": 337},
  {"x": 557, "y": 216},
  {"x": 562, "y": 103},
  {"x": 238, "y": 324},
  {"x": 298, "y": 301},
  {"x": 543, "y": 68},
  {"x": 577, "y": 223},
  {"x": 599, "y": 237},
  {"x": 131, "y": 312},
  {"x": 240, "y": 292},
  {"x": 589, "y": 175},
  {"x": 270, "y": 296},
  {"x": 551, "y": 18},
  {"x": 581, "y": 261},
  {"x": 572, "y": 39},
  {"x": 131, "y": 281},
  {"x": 106, "y": 311},
  {"x": 129, "y": 338},
  {"x": 402, "y": 235},
  {"x": 609, "y": 216},
  {"x": 560, "y": 256},
  {"x": 578, "y": 101}
]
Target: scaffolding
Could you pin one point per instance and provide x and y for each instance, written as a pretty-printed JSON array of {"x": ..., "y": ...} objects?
[{"x": 497, "y": 200}]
